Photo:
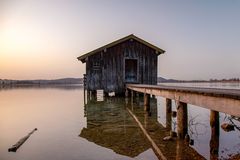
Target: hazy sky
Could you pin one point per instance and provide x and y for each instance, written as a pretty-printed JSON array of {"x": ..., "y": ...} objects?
[{"x": 43, "y": 38}]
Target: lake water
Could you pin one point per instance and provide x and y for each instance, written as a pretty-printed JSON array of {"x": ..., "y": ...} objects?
[
  {"x": 68, "y": 129},
  {"x": 199, "y": 124},
  {"x": 58, "y": 114}
]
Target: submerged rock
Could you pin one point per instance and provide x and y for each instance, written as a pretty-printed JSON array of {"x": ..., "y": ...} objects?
[
  {"x": 191, "y": 142},
  {"x": 173, "y": 134},
  {"x": 235, "y": 157},
  {"x": 174, "y": 114},
  {"x": 167, "y": 138},
  {"x": 227, "y": 127},
  {"x": 187, "y": 138}
]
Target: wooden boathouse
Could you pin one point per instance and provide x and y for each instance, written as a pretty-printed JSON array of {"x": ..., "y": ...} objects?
[{"x": 127, "y": 60}]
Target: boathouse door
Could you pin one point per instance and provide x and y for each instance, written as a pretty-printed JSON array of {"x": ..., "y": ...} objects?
[{"x": 131, "y": 70}]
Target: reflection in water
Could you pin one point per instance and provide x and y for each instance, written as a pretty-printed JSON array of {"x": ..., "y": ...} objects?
[
  {"x": 172, "y": 148},
  {"x": 208, "y": 140},
  {"x": 109, "y": 125},
  {"x": 57, "y": 86},
  {"x": 60, "y": 115}
]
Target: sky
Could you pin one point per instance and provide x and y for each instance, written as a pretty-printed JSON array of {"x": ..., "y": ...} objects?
[{"x": 42, "y": 39}]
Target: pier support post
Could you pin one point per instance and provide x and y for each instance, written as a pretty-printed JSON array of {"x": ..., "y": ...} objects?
[
  {"x": 146, "y": 102},
  {"x": 214, "y": 142},
  {"x": 180, "y": 150},
  {"x": 84, "y": 96},
  {"x": 137, "y": 98},
  {"x": 88, "y": 95},
  {"x": 153, "y": 96},
  {"x": 182, "y": 119},
  {"x": 126, "y": 93},
  {"x": 168, "y": 114},
  {"x": 132, "y": 95}
]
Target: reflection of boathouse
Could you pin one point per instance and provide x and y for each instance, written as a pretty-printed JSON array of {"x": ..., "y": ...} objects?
[
  {"x": 110, "y": 126},
  {"x": 127, "y": 60}
]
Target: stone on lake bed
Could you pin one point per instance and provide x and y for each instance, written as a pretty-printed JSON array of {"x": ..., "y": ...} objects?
[
  {"x": 191, "y": 142},
  {"x": 113, "y": 114},
  {"x": 174, "y": 114},
  {"x": 187, "y": 138},
  {"x": 167, "y": 138},
  {"x": 227, "y": 127},
  {"x": 173, "y": 134}
]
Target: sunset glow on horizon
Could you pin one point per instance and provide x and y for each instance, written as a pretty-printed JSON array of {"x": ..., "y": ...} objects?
[{"x": 42, "y": 39}]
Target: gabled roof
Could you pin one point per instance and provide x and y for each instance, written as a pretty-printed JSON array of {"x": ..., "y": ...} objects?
[{"x": 131, "y": 36}]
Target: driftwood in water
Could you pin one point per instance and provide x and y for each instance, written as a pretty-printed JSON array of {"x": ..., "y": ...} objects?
[{"x": 20, "y": 142}]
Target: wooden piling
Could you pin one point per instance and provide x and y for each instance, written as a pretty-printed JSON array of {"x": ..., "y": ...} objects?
[
  {"x": 168, "y": 113},
  {"x": 132, "y": 96},
  {"x": 180, "y": 150},
  {"x": 214, "y": 119},
  {"x": 84, "y": 96},
  {"x": 182, "y": 119},
  {"x": 126, "y": 92},
  {"x": 88, "y": 95},
  {"x": 137, "y": 98},
  {"x": 214, "y": 142},
  {"x": 146, "y": 102}
]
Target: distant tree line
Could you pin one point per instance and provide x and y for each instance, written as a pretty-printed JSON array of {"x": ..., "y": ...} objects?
[
  {"x": 7, "y": 82},
  {"x": 225, "y": 80},
  {"x": 163, "y": 80}
]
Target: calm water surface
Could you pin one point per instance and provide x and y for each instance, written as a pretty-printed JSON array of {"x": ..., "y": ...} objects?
[
  {"x": 98, "y": 131},
  {"x": 58, "y": 113},
  {"x": 199, "y": 124}
]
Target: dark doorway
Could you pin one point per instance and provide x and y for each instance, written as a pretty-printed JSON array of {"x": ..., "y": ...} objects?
[{"x": 131, "y": 69}]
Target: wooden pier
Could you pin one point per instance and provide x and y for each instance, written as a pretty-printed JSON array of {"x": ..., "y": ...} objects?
[
  {"x": 216, "y": 100},
  {"x": 221, "y": 100}
]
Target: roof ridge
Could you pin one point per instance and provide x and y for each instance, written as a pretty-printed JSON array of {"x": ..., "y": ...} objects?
[{"x": 84, "y": 56}]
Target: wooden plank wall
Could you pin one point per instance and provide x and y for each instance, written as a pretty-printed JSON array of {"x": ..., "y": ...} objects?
[{"x": 106, "y": 69}]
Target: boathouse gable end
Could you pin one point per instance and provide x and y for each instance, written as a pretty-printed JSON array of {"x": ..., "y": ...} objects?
[{"x": 128, "y": 60}]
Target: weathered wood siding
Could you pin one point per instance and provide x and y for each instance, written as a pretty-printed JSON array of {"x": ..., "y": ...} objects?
[{"x": 106, "y": 69}]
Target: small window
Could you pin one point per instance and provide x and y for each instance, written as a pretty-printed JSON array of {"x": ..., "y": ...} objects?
[{"x": 96, "y": 65}]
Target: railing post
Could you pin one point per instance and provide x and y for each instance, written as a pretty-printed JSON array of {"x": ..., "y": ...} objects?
[{"x": 182, "y": 119}]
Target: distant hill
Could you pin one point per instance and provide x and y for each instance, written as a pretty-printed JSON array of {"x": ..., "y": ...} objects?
[
  {"x": 163, "y": 80},
  {"x": 41, "y": 81}
]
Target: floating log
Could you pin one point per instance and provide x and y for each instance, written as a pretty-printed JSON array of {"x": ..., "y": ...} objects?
[{"x": 15, "y": 147}]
